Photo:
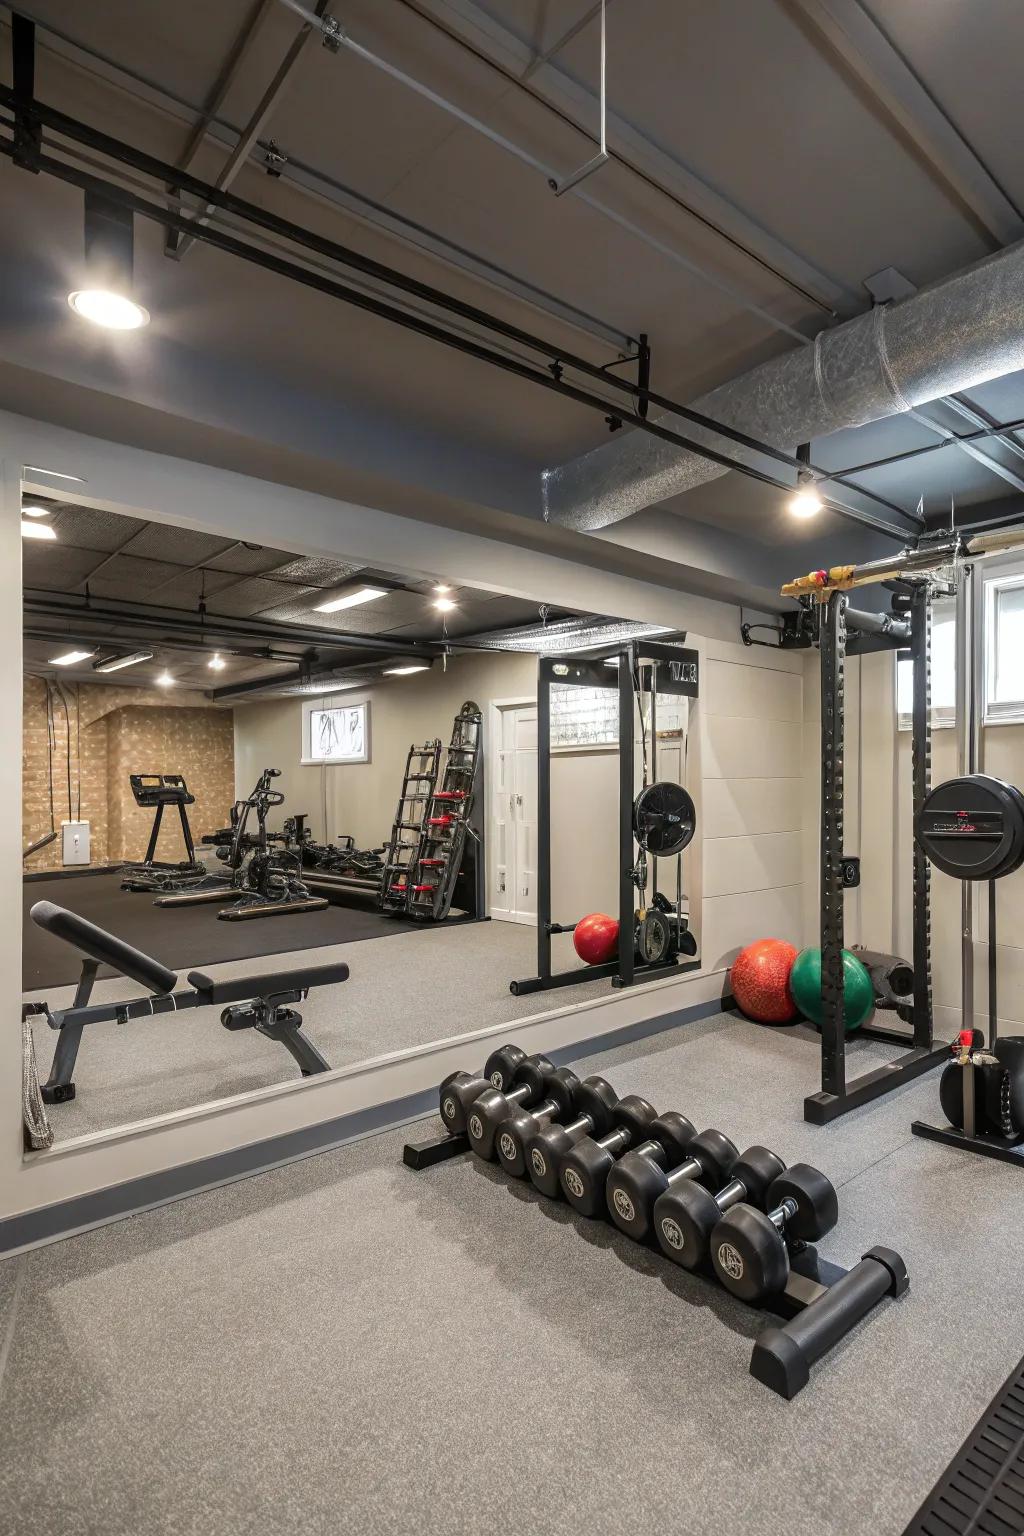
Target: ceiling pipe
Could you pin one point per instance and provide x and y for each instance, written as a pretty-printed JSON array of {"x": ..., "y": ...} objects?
[{"x": 953, "y": 336}]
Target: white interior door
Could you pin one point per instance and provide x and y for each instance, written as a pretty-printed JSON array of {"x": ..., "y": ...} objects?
[{"x": 513, "y": 862}]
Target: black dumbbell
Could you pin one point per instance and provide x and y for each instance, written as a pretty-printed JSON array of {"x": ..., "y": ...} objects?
[
  {"x": 637, "y": 1179},
  {"x": 462, "y": 1089},
  {"x": 686, "y": 1214},
  {"x": 535, "y": 1088},
  {"x": 544, "y": 1146},
  {"x": 583, "y": 1170},
  {"x": 563, "y": 1097},
  {"x": 750, "y": 1248}
]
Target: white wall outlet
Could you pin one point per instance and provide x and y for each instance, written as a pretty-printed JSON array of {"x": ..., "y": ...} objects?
[{"x": 75, "y": 841}]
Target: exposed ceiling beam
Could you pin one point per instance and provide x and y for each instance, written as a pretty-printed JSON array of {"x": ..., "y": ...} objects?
[
  {"x": 566, "y": 38},
  {"x": 249, "y": 136},
  {"x": 228, "y": 74},
  {"x": 866, "y": 50},
  {"x": 316, "y": 183},
  {"x": 468, "y": 23}
]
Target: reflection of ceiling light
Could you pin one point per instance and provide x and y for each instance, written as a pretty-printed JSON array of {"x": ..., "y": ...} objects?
[
  {"x": 69, "y": 658},
  {"x": 445, "y": 605},
  {"x": 37, "y": 531},
  {"x": 351, "y": 599},
  {"x": 35, "y": 511},
  {"x": 416, "y": 666},
  {"x": 115, "y": 663},
  {"x": 441, "y": 590},
  {"x": 217, "y": 662},
  {"x": 111, "y": 310},
  {"x": 165, "y": 680}
]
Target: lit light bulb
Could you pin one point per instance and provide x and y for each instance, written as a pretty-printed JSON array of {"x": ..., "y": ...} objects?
[
  {"x": 217, "y": 662},
  {"x": 111, "y": 310},
  {"x": 805, "y": 502},
  {"x": 444, "y": 605},
  {"x": 165, "y": 680}
]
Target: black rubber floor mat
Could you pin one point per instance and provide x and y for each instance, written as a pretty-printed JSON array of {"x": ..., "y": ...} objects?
[{"x": 981, "y": 1492}]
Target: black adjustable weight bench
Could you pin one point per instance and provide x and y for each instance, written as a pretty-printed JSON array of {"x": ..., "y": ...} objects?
[{"x": 250, "y": 1002}]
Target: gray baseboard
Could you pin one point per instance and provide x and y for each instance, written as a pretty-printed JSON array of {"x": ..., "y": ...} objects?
[{"x": 51, "y": 1223}]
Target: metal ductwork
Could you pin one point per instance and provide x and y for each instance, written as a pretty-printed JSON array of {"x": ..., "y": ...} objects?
[{"x": 950, "y": 337}]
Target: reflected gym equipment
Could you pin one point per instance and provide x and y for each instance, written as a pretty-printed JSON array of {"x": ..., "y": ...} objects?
[
  {"x": 258, "y": 1003},
  {"x": 160, "y": 790},
  {"x": 658, "y": 822}
]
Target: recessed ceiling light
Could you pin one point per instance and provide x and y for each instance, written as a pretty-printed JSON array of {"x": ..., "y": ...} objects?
[
  {"x": 69, "y": 658},
  {"x": 445, "y": 605},
  {"x": 37, "y": 531},
  {"x": 115, "y": 663},
  {"x": 34, "y": 511},
  {"x": 351, "y": 599},
  {"x": 217, "y": 662},
  {"x": 165, "y": 680},
  {"x": 416, "y": 666},
  {"x": 111, "y": 310}
]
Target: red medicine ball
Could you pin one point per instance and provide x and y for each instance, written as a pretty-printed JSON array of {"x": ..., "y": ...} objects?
[
  {"x": 759, "y": 981},
  {"x": 596, "y": 938}
]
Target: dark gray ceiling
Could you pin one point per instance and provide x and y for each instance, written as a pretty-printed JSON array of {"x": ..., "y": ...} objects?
[{"x": 761, "y": 161}]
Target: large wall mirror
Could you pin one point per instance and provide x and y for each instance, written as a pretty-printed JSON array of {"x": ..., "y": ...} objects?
[{"x": 248, "y": 771}]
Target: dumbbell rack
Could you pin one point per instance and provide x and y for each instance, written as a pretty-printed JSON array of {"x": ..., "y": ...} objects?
[
  {"x": 438, "y": 859},
  {"x": 422, "y": 765},
  {"x": 821, "y": 1304}
]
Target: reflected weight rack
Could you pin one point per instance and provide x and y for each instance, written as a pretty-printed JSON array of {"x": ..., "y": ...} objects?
[
  {"x": 443, "y": 837},
  {"x": 419, "y": 782}
]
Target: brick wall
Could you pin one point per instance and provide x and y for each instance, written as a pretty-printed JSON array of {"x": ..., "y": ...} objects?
[{"x": 114, "y": 732}]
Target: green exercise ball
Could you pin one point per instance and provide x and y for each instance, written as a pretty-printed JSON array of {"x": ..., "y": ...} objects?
[{"x": 805, "y": 986}]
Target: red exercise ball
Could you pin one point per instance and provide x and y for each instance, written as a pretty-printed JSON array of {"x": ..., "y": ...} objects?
[
  {"x": 759, "y": 981},
  {"x": 596, "y": 938}
]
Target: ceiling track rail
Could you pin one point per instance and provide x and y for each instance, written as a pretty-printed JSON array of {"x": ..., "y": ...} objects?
[{"x": 25, "y": 147}]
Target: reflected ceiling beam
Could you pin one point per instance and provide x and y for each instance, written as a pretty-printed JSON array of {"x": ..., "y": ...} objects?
[
  {"x": 866, "y": 50},
  {"x": 248, "y": 139},
  {"x": 467, "y": 23}
]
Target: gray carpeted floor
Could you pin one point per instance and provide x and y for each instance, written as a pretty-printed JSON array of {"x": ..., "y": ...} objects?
[
  {"x": 345, "y": 1346},
  {"x": 415, "y": 988}
]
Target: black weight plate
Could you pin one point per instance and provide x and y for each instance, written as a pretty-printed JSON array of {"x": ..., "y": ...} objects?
[
  {"x": 972, "y": 827},
  {"x": 664, "y": 818},
  {"x": 653, "y": 937}
]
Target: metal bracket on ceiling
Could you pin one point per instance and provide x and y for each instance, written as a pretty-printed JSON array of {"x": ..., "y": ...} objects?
[
  {"x": 642, "y": 358},
  {"x": 332, "y": 33},
  {"x": 562, "y": 184}
]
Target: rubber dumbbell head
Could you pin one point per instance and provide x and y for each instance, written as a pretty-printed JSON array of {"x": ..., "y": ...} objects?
[
  {"x": 492, "y": 1106},
  {"x": 546, "y": 1144},
  {"x": 583, "y": 1171},
  {"x": 686, "y": 1214},
  {"x": 639, "y": 1177},
  {"x": 559, "y": 1102},
  {"x": 460, "y": 1090},
  {"x": 750, "y": 1248}
]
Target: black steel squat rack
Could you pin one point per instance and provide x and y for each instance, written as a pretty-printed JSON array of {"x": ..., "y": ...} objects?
[
  {"x": 674, "y": 670},
  {"x": 839, "y": 1095}
]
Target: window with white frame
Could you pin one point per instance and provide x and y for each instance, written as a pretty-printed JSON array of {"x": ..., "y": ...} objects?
[
  {"x": 1004, "y": 646},
  {"x": 943, "y": 670}
]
